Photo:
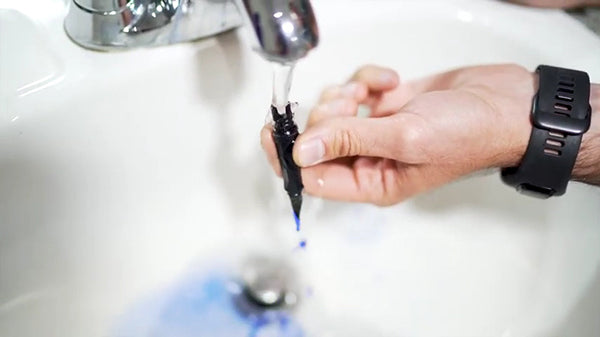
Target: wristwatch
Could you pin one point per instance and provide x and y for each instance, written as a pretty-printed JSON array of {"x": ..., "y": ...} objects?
[{"x": 560, "y": 115}]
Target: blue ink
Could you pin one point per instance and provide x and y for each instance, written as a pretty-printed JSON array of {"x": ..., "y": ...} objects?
[
  {"x": 302, "y": 244},
  {"x": 202, "y": 305},
  {"x": 256, "y": 326},
  {"x": 297, "y": 222},
  {"x": 284, "y": 322}
]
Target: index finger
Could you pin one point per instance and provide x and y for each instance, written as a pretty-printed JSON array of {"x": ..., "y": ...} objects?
[{"x": 376, "y": 78}]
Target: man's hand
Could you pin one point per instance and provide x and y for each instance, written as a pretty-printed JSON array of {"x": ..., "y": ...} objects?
[
  {"x": 420, "y": 134},
  {"x": 558, "y": 3}
]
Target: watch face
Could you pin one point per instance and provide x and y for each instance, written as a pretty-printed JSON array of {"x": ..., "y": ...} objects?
[{"x": 535, "y": 191}]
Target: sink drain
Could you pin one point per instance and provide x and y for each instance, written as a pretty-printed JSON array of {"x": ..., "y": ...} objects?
[{"x": 268, "y": 284}]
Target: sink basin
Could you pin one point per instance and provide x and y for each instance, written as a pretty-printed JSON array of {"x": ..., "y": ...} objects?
[{"x": 121, "y": 173}]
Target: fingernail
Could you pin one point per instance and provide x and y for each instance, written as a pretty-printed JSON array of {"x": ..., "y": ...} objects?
[
  {"x": 388, "y": 77},
  {"x": 350, "y": 89},
  {"x": 311, "y": 152}
]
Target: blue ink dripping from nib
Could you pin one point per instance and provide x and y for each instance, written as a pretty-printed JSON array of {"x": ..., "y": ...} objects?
[
  {"x": 297, "y": 219},
  {"x": 302, "y": 243}
]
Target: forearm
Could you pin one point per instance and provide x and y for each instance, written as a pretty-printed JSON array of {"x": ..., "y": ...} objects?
[
  {"x": 558, "y": 3},
  {"x": 587, "y": 166}
]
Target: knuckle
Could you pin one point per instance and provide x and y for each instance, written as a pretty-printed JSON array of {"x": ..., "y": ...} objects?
[
  {"x": 329, "y": 93},
  {"x": 364, "y": 72},
  {"x": 385, "y": 178},
  {"x": 342, "y": 107},
  {"x": 345, "y": 143},
  {"x": 316, "y": 114},
  {"x": 371, "y": 187}
]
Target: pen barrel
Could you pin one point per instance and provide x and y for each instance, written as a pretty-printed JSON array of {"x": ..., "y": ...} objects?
[{"x": 285, "y": 132}]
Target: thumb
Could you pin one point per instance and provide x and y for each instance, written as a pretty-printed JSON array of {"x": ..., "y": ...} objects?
[{"x": 385, "y": 137}]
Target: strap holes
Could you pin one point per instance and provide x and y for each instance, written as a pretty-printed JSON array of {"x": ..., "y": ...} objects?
[
  {"x": 566, "y": 90},
  {"x": 552, "y": 152},
  {"x": 564, "y": 114},
  {"x": 566, "y": 84},
  {"x": 556, "y": 134},
  {"x": 554, "y": 143},
  {"x": 564, "y": 98},
  {"x": 563, "y": 107}
]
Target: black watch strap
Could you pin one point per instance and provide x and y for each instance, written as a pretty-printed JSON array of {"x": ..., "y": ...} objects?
[{"x": 560, "y": 115}]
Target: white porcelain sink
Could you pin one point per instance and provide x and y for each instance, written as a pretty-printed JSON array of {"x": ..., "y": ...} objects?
[{"x": 121, "y": 173}]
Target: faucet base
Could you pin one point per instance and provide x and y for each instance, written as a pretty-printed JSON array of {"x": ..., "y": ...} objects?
[{"x": 139, "y": 23}]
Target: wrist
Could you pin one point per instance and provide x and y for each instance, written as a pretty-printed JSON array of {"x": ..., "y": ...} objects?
[{"x": 587, "y": 165}]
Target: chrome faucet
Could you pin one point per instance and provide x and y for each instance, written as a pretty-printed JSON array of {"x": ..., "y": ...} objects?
[{"x": 284, "y": 30}]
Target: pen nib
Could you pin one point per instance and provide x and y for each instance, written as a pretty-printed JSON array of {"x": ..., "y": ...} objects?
[{"x": 296, "y": 206}]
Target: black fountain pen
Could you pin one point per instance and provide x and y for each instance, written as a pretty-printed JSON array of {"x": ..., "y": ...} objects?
[{"x": 285, "y": 132}]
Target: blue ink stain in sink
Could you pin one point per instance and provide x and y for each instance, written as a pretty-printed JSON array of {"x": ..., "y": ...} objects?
[
  {"x": 204, "y": 307},
  {"x": 256, "y": 326}
]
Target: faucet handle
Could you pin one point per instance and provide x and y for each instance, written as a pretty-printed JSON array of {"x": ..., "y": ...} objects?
[
  {"x": 122, "y": 24},
  {"x": 284, "y": 30}
]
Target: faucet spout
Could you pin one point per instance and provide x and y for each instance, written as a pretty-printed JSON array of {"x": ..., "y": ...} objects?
[{"x": 284, "y": 30}]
